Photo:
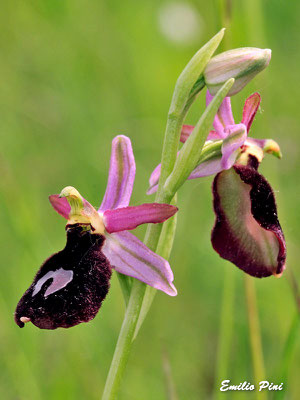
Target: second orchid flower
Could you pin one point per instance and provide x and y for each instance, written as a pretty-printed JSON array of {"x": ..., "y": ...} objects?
[{"x": 247, "y": 231}]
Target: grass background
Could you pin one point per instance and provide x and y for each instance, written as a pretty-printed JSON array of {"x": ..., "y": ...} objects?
[{"x": 73, "y": 75}]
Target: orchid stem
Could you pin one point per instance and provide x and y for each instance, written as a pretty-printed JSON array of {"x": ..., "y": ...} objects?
[
  {"x": 254, "y": 331},
  {"x": 123, "y": 346}
]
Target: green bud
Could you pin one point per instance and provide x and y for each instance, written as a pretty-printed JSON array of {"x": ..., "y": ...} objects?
[{"x": 241, "y": 64}]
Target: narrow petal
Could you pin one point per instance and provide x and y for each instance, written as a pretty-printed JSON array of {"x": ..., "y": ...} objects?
[
  {"x": 128, "y": 218},
  {"x": 129, "y": 256},
  {"x": 250, "y": 109},
  {"x": 236, "y": 136},
  {"x": 121, "y": 175},
  {"x": 213, "y": 135},
  {"x": 207, "y": 168},
  {"x": 152, "y": 189},
  {"x": 224, "y": 115},
  {"x": 60, "y": 205},
  {"x": 153, "y": 180},
  {"x": 186, "y": 130},
  {"x": 247, "y": 231}
]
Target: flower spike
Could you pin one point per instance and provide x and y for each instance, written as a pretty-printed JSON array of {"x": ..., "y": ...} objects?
[
  {"x": 128, "y": 218},
  {"x": 60, "y": 205}
]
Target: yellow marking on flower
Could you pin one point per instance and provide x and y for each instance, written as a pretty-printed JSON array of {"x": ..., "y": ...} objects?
[
  {"x": 272, "y": 147},
  {"x": 250, "y": 150},
  {"x": 81, "y": 211}
]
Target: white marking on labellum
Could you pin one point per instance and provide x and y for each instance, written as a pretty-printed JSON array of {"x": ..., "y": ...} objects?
[
  {"x": 24, "y": 319},
  {"x": 61, "y": 278}
]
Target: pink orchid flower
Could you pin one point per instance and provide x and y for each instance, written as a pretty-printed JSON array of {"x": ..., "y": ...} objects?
[
  {"x": 70, "y": 286},
  {"x": 247, "y": 231},
  {"x": 233, "y": 136}
]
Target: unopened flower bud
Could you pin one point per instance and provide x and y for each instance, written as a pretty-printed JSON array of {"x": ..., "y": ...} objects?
[{"x": 241, "y": 64}]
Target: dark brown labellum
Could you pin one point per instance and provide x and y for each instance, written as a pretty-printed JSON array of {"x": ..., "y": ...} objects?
[
  {"x": 70, "y": 286},
  {"x": 247, "y": 231}
]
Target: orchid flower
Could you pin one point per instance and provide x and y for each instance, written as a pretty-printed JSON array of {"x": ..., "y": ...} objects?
[
  {"x": 223, "y": 144},
  {"x": 71, "y": 285},
  {"x": 247, "y": 231}
]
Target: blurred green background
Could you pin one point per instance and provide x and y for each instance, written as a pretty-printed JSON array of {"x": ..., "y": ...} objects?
[{"x": 73, "y": 75}]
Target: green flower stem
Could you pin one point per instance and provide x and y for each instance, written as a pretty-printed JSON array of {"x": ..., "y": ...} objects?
[
  {"x": 254, "y": 331},
  {"x": 182, "y": 95},
  {"x": 123, "y": 346}
]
